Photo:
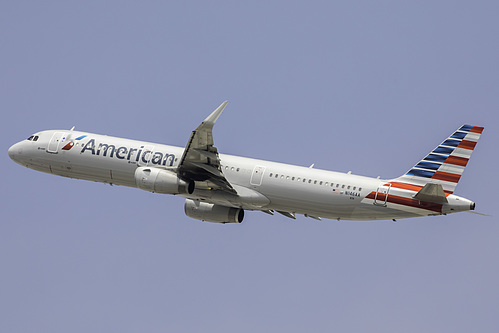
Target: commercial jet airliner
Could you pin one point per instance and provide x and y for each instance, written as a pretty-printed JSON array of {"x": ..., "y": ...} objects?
[{"x": 219, "y": 187}]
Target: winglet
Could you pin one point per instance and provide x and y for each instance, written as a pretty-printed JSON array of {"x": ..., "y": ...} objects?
[{"x": 212, "y": 118}]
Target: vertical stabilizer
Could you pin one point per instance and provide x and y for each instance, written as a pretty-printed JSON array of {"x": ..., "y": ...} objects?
[{"x": 446, "y": 163}]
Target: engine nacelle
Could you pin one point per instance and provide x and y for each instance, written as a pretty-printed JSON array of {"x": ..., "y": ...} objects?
[
  {"x": 212, "y": 213},
  {"x": 161, "y": 181}
]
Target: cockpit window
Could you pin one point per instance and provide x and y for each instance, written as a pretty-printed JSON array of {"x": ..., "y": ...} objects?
[{"x": 33, "y": 138}]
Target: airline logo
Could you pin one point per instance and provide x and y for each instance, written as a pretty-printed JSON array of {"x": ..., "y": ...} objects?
[
  {"x": 71, "y": 143},
  {"x": 446, "y": 163},
  {"x": 128, "y": 153}
]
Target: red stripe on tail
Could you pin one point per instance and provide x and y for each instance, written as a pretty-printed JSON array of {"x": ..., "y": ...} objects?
[
  {"x": 477, "y": 129},
  {"x": 445, "y": 176},
  {"x": 411, "y": 187},
  {"x": 395, "y": 199},
  {"x": 456, "y": 160},
  {"x": 467, "y": 145}
]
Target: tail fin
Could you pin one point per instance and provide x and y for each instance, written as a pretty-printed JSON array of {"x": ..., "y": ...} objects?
[{"x": 446, "y": 163}]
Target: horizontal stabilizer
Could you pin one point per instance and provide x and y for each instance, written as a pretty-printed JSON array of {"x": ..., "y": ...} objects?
[{"x": 431, "y": 193}]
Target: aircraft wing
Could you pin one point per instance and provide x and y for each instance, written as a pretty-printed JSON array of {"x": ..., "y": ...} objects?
[{"x": 200, "y": 161}]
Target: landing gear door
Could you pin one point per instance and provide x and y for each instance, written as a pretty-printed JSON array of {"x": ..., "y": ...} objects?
[
  {"x": 55, "y": 141},
  {"x": 381, "y": 196}
]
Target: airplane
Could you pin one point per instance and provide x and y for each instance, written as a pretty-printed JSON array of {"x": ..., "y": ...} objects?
[{"x": 220, "y": 188}]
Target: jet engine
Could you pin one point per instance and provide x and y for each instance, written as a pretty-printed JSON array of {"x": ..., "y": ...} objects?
[
  {"x": 161, "y": 181},
  {"x": 212, "y": 213}
]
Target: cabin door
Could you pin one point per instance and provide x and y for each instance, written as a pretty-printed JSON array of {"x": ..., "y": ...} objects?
[
  {"x": 53, "y": 146},
  {"x": 257, "y": 175}
]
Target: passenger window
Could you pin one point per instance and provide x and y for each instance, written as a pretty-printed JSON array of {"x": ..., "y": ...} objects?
[
  {"x": 360, "y": 188},
  {"x": 348, "y": 187},
  {"x": 354, "y": 188},
  {"x": 332, "y": 184},
  {"x": 276, "y": 175},
  {"x": 315, "y": 181},
  {"x": 326, "y": 184},
  {"x": 292, "y": 178},
  {"x": 270, "y": 175},
  {"x": 287, "y": 178},
  {"x": 310, "y": 181},
  {"x": 342, "y": 186},
  {"x": 320, "y": 182},
  {"x": 298, "y": 179},
  {"x": 337, "y": 185},
  {"x": 237, "y": 170},
  {"x": 304, "y": 180}
]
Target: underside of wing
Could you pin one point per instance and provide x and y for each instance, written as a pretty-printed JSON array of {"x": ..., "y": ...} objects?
[{"x": 200, "y": 161}]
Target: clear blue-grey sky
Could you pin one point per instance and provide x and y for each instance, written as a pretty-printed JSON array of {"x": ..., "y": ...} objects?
[{"x": 366, "y": 86}]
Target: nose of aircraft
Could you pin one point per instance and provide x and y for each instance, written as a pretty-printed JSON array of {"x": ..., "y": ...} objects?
[{"x": 15, "y": 150}]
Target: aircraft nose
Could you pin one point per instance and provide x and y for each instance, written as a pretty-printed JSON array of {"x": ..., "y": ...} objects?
[{"x": 14, "y": 151}]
